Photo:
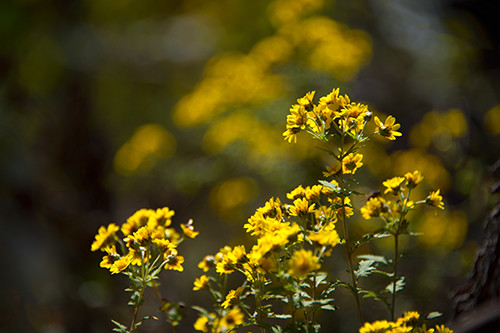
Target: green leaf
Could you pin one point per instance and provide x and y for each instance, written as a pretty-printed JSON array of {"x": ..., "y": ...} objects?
[
  {"x": 320, "y": 278},
  {"x": 400, "y": 283},
  {"x": 282, "y": 316},
  {"x": 329, "y": 185},
  {"x": 329, "y": 307},
  {"x": 365, "y": 268},
  {"x": 433, "y": 315},
  {"x": 373, "y": 257},
  {"x": 119, "y": 327}
]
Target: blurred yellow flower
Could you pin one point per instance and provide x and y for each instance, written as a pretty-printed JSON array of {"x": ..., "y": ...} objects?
[
  {"x": 105, "y": 238},
  {"x": 435, "y": 199},
  {"x": 232, "y": 297},
  {"x": 325, "y": 237},
  {"x": 302, "y": 263},
  {"x": 374, "y": 207},
  {"x": 201, "y": 283},
  {"x": 413, "y": 178},
  {"x": 188, "y": 229},
  {"x": 231, "y": 320},
  {"x": 202, "y": 323}
]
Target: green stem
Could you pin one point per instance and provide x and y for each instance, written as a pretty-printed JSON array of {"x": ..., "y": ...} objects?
[
  {"x": 347, "y": 246},
  {"x": 395, "y": 279}
]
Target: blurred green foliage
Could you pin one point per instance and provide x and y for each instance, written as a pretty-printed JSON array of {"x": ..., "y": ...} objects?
[{"x": 111, "y": 106}]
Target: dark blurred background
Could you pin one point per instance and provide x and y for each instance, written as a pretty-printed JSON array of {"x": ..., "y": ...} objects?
[{"x": 111, "y": 106}]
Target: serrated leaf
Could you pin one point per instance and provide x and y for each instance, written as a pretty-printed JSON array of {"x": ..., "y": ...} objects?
[
  {"x": 433, "y": 315},
  {"x": 365, "y": 268},
  {"x": 400, "y": 283},
  {"x": 373, "y": 257},
  {"x": 320, "y": 277}
]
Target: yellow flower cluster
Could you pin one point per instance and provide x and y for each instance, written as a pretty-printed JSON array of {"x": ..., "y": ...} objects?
[
  {"x": 399, "y": 188},
  {"x": 409, "y": 322},
  {"x": 147, "y": 239},
  {"x": 333, "y": 114}
]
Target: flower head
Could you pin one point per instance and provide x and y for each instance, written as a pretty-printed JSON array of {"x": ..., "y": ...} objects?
[
  {"x": 173, "y": 261},
  {"x": 435, "y": 199},
  {"x": 387, "y": 129},
  {"x": 413, "y": 178},
  {"x": 302, "y": 263},
  {"x": 351, "y": 163},
  {"x": 374, "y": 208},
  {"x": 201, "y": 283},
  {"x": 393, "y": 185},
  {"x": 105, "y": 238},
  {"x": 301, "y": 207},
  {"x": 231, "y": 320},
  {"x": 188, "y": 229},
  {"x": 325, "y": 237},
  {"x": 232, "y": 297}
]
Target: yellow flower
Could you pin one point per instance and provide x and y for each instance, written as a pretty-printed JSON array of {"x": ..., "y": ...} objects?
[
  {"x": 138, "y": 219},
  {"x": 237, "y": 255},
  {"x": 301, "y": 207},
  {"x": 374, "y": 208},
  {"x": 409, "y": 319},
  {"x": 201, "y": 283},
  {"x": 298, "y": 192},
  {"x": 307, "y": 100},
  {"x": 173, "y": 261},
  {"x": 120, "y": 264},
  {"x": 334, "y": 102},
  {"x": 202, "y": 324},
  {"x": 351, "y": 163},
  {"x": 207, "y": 263},
  {"x": 188, "y": 229},
  {"x": 141, "y": 237},
  {"x": 331, "y": 170},
  {"x": 232, "y": 297},
  {"x": 164, "y": 245},
  {"x": 325, "y": 237},
  {"x": 443, "y": 329},
  {"x": 231, "y": 320},
  {"x": 313, "y": 193},
  {"x": 435, "y": 199},
  {"x": 291, "y": 133},
  {"x": 105, "y": 238},
  {"x": 387, "y": 129},
  {"x": 225, "y": 266},
  {"x": 110, "y": 258},
  {"x": 413, "y": 178},
  {"x": 379, "y": 326},
  {"x": 393, "y": 185},
  {"x": 302, "y": 263},
  {"x": 161, "y": 217}
]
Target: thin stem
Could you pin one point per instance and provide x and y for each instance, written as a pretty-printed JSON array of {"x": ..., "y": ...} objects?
[
  {"x": 346, "y": 233},
  {"x": 136, "y": 311},
  {"x": 395, "y": 279}
]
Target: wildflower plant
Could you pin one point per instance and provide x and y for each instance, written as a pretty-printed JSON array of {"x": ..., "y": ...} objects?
[
  {"x": 147, "y": 246},
  {"x": 283, "y": 280}
]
